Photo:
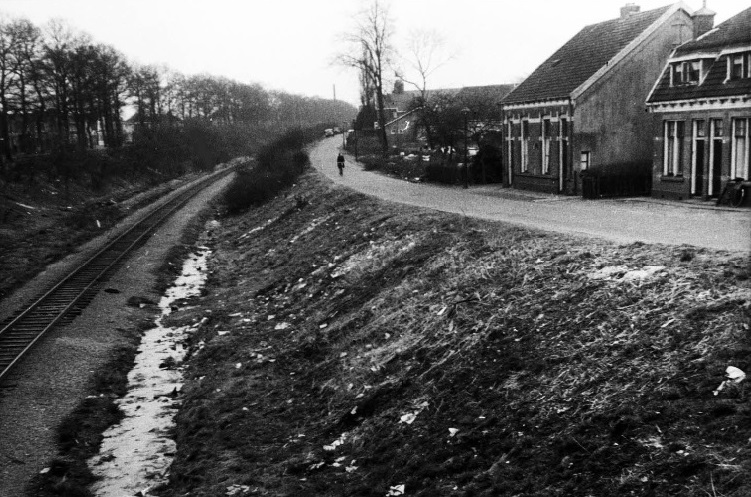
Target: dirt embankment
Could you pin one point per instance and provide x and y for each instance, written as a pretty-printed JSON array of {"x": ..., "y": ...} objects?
[
  {"x": 354, "y": 347},
  {"x": 43, "y": 221}
]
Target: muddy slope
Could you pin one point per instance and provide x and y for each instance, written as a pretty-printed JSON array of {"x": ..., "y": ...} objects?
[{"x": 351, "y": 347}]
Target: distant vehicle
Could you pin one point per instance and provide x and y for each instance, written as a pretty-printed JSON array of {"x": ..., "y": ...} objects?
[
  {"x": 328, "y": 132},
  {"x": 337, "y": 131}
]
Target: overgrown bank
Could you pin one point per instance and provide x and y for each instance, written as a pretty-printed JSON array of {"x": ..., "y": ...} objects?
[{"x": 352, "y": 347}]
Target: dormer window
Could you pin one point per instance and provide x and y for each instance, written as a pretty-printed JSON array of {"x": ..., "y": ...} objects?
[
  {"x": 739, "y": 66},
  {"x": 685, "y": 73}
]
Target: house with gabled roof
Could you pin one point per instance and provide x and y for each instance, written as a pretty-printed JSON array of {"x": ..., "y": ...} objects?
[
  {"x": 703, "y": 103},
  {"x": 580, "y": 115}
]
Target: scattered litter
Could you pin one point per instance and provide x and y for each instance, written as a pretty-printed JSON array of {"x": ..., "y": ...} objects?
[
  {"x": 271, "y": 317},
  {"x": 44, "y": 471},
  {"x": 237, "y": 490},
  {"x": 238, "y": 365},
  {"x": 443, "y": 309},
  {"x": 222, "y": 333},
  {"x": 351, "y": 467},
  {"x": 734, "y": 375},
  {"x": 395, "y": 490},
  {"x": 408, "y": 418},
  {"x": 282, "y": 326},
  {"x": 324, "y": 325},
  {"x": 336, "y": 443},
  {"x": 623, "y": 273},
  {"x": 317, "y": 465},
  {"x": 453, "y": 431}
]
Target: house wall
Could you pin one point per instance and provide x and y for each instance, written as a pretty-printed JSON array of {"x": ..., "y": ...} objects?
[
  {"x": 535, "y": 177},
  {"x": 611, "y": 121},
  {"x": 689, "y": 182}
]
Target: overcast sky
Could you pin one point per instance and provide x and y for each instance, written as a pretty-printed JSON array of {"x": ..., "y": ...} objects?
[{"x": 289, "y": 44}]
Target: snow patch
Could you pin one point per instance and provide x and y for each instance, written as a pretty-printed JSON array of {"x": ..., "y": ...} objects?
[{"x": 136, "y": 454}]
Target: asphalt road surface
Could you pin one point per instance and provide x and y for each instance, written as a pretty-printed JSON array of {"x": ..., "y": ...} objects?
[{"x": 618, "y": 220}]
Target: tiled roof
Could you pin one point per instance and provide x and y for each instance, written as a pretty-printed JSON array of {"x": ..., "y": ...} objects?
[
  {"x": 736, "y": 31},
  {"x": 492, "y": 94},
  {"x": 400, "y": 101},
  {"x": 582, "y": 56}
]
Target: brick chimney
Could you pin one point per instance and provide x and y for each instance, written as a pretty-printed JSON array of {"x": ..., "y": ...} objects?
[
  {"x": 703, "y": 20},
  {"x": 628, "y": 9}
]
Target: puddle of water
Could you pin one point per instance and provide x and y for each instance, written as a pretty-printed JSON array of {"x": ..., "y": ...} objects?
[{"x": 136, "y": 454}]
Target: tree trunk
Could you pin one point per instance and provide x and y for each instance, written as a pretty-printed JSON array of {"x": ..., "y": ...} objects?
[{"x": 4, "y": 130}]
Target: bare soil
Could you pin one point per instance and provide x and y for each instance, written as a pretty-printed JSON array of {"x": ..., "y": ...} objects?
[{"x": 355, "y": 347}]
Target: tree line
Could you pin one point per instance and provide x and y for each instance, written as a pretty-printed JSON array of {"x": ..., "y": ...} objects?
[{"x": 60, "y": 88}]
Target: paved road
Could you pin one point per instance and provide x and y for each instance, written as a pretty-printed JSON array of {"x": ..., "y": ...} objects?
[{"x": 621, "y": 220}]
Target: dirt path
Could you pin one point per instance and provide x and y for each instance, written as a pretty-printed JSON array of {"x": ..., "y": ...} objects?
[
  {"x": 57, "y": 375},
  {"x": 619, "y": 220}
]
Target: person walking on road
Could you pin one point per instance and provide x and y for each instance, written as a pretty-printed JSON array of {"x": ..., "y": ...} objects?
[{"x": 340, "y": 163}]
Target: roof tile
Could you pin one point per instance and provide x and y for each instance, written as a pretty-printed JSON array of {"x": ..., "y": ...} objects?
[{"x": 582, "y": 56}]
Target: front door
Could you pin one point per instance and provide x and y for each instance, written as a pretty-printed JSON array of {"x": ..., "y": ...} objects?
[
  {"x": 699, "y": 168},
  {"x": 717, "y": 168},
  {"x": 715, "y": 157}
]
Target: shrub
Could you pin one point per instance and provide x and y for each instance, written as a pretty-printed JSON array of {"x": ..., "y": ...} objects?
[{"x": 277, "y": 166}]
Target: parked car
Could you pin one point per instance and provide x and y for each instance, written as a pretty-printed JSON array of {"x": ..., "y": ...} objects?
[{"x": 328, "y": 132}]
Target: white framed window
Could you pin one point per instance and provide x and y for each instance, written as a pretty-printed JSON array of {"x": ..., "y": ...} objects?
[
  {"x": 525, "y": 146},
  {"x": 546, "y": 137},
  {"x": 672, "y": 160},
  {"x": 584, "y": 160},
  {"x": 739, "y": 66},
  {"x": 739, "y": 150},
  {"x": 685, "y": 73}
]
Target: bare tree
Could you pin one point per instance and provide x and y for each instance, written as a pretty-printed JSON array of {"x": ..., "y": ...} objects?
[
  {"x": 9, "y": 40},
  {"x": 426, "y": 52},
  {"x": 371, "y": 52}
]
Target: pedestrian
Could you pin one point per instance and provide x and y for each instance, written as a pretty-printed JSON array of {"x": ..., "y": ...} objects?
[{"x": 340, "y": 163}]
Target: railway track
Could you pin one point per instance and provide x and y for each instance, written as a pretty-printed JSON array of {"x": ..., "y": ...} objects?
[{"x": 66, "y": 299}]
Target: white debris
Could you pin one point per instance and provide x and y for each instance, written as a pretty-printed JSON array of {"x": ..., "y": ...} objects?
[
  {"x": 282, "y": 326},
  {"x": 733, "y": 375},
  {"x": 237, "y": 490},
  {"x": 396, "y": 490},
  {"x": 336, "y": 443},
  {"x": 408, "y": 418},
  {"x": 626, "y": 274},
  {"x": 453, "y": 431}
]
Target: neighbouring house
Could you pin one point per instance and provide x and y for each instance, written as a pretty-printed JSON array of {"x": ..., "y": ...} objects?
[
  {"x": 703, "y": 103},
  {"x": 577, "y": 124},
  {"x": 403, "y": 129},
  {"x": 404, "y": 109}
]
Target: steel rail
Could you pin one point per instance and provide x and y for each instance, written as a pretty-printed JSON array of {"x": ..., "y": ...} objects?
[{"x": 29, "y": 325}]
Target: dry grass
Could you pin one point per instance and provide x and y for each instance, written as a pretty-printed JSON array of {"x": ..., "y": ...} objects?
[{"x": 525, "y": 363}]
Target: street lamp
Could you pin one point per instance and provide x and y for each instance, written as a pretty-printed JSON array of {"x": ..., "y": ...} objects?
[{"x": 465, "y": 113}]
